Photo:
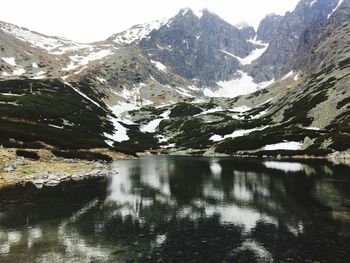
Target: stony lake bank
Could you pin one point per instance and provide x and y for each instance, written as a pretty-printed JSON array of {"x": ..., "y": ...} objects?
[{"x": 47, "y": 169}]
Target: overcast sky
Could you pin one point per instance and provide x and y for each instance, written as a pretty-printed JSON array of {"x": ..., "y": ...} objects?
[{"x": 93, "y": 20}]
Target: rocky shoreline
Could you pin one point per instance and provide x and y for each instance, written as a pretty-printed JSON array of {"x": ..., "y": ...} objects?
[
  {"x": 50, "y": 170},
  {"x": 50, "y": 179}
]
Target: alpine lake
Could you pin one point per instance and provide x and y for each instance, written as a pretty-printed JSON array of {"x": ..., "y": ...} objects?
[{"x": 184, "y": 209}]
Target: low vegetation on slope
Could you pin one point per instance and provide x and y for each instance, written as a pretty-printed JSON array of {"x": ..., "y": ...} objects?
[{"x": 39, "y": 112}]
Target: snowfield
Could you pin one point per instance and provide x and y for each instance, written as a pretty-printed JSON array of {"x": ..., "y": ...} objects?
[
  {"x": 284, "y": 146},
  {"x": 242, "y": 85},
  {"x": 138, "y": 32},
  {"x": 159, "y": 65},
  {"x": 238, "y": 133},
  {"x": 152, "y": 126},
  {"x": 254, "y": 55}
]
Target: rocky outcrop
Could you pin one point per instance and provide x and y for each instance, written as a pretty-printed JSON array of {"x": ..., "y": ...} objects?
[
  {"x": 268, "y": 28},
  {"x": 202, "y": 47},
  {"x": 283, "y": 47},
  {"x": 318, "y": 47}
]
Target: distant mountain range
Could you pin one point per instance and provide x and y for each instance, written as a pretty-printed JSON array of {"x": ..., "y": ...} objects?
[{"x": 189, "y": 84}]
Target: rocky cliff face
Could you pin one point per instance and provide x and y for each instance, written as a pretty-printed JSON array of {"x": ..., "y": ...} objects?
[
  {"x": 306, "y": 16},
  {"x": 268, "y": 28},
  {"x": 308, "y": 57},
  {"x": 199, "y": 46}
]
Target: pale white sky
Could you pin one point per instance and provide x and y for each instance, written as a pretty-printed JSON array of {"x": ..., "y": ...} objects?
[{"x": 94, "y": 20}]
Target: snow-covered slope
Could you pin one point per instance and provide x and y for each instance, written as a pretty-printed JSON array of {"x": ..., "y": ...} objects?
[
  {"x": 54, "y": 45},
  {"x": 138, "y": 32}
]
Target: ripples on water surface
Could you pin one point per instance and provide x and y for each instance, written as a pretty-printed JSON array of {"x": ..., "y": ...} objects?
[{"x": 172, "y": 209}]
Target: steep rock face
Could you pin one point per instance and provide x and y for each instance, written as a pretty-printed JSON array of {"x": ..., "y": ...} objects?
[
  {"x": 268, "y": 28},
  {"x": 248, "y": 32},
  {"x": 309, "y": 57},
  {"x": 283, "y": 47},
  {"x": 199, "y": 46}
]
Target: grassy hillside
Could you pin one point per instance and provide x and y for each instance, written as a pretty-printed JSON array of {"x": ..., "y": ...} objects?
[{"x": 37, "y": 112}]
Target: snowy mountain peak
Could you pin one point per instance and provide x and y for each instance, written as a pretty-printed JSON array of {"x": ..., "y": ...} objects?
[
  {"x": 242, "y": 25},
  {"x": 138, "y": 32},
  {"x": 197, "y": 12},
  {"x": 54, "y": 45}
]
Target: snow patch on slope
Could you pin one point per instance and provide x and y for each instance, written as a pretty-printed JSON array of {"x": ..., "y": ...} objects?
[
  {"x": 120, "y": 132},
  {"x": 238, "y": 133},
  {"x": 53, "y": 45},
  {"x": 39, "y": 75},
  {"x": 153, "y": 125},
  {"x": 79, "y": 60},
  {"x": 83, "y": 95},
  {"x": 289, "y": 74},
  {"x": 198, "y": 12},
  {"x": 254, "y": 55},
  {"x": 10, "y": 60},
  {"x": 138, "y": 32},
  {"x": 236, "y": 87},
  {"x": 339, "y": 3},
  {"x": 312, "y": 3},
  {"x": 159, "y": 65},
  {"x": 284, "y": 146}
]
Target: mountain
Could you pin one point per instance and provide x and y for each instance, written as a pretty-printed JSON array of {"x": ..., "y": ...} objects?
[
  {"x": 268, "y": 28},
  {"x": 283, "y": 46},
  {"x": 190, "y": 40},
  {"x": 192, "y": 83}
]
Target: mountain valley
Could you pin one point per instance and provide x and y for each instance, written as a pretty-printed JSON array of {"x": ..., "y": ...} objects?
[{"x": 189, "y": 84}]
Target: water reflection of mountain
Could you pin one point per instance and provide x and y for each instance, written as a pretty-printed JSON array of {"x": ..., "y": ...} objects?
[
  {"x": 250, "y": 195},
  {"x": 204, "y": 210},
  {"x": 33, "y": 222}
]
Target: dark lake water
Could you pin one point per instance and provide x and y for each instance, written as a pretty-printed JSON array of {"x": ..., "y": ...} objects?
[{"x": 172, "y": 209}]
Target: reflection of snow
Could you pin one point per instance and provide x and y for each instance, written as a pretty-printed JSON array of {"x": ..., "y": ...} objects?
[
  {"x": 284, "y": 166},
  {"x": 229, "y": 213},
  {"x": 262, "y": 253},
  {"x": 216, "y": 169},
  {"x": 153, "y": 174}
]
